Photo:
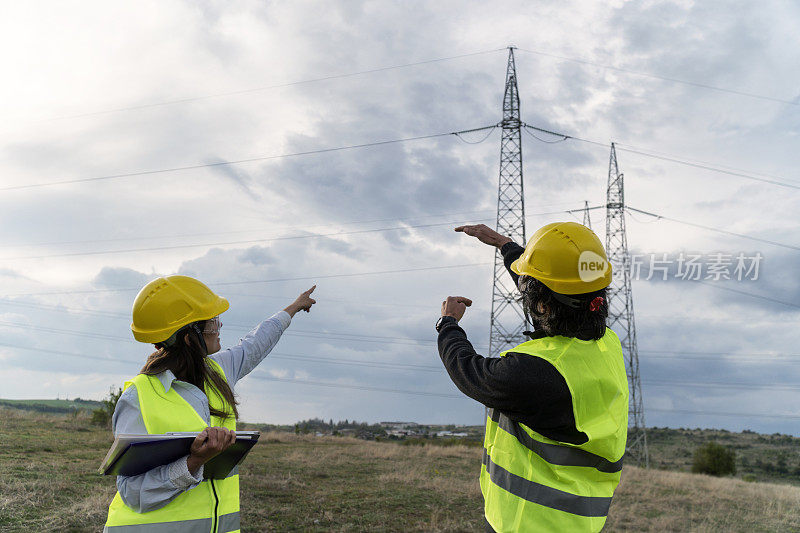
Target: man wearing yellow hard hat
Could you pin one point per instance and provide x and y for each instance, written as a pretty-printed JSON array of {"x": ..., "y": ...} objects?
[
  {"x": 186, "y": 385},
  {"x": 557, "y": 404}
]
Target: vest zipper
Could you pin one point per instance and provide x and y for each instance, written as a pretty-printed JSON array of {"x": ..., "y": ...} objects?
[{"x": 215, "y": 518}]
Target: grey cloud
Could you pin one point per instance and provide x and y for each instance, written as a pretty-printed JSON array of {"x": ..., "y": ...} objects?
[
  {"x": 110, "y": 277},
  {"x": 257, "y": 255},
  {"x": 773, "y": 283},
  {"x": 236, "y": 175}
]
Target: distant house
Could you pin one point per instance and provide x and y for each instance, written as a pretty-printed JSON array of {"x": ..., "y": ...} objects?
[
  {"x": 399, "y": 425},
  {"x": 450, "y": 434}
]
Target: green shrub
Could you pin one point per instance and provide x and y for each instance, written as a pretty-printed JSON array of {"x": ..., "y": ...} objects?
[
  {"x": 750, "y": 478},
  {"x": 102, "y": 415},
  {"x": 714, "y": 459}
]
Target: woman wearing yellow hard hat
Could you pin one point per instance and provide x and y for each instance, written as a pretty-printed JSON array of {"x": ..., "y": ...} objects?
[
  {"x": 186, "y": 385},
  {"x": 557, "y": 404}
]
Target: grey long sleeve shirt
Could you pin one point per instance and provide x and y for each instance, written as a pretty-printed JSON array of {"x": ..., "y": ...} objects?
[{"x": 157, "y": 487}]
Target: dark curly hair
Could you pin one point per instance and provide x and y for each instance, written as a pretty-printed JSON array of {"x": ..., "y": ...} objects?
[{"x": 558, "y": 318}]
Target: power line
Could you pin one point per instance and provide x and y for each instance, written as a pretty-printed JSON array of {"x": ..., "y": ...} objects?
[
  {"x": 85, "y": 334},
  {"x": 223, "y": 243},
  {"x": 409, "y": 341},
  {"x": 295, "y": 227},
  {"x": 127, "y": 316},
  {"x": 720, "y": 413},
  {"x": 254, "y": 376},
  {"x": 714, "y": 169},
  {"x": 350, "y": 337},
  {"x": 421, "y": 393},
  {"x": 59, "y": 308},
  {"x": 718, "y": 230},
  {"x": 780, "y": 358},
  {"x": 273, "y": 280},
  {"x": 359, "y": 363},
  {"x": 663, "y": 78},
  {"x": 70, "y": 354},
  {"x": 253, "y": 241},
  {"x": 268, "y": 87},
  {"x": 749, "y": 354},
  {"x": 356, "y": 387},
  {"x": 720, "y": 384},
  {"x": 753, "y": 354},
  {"x": 751, "y": 294},
  {"x": 706, "y": 165},
  {"x": 206, "y": 234},
  {"x": 239, "y": 161},
  {"x": 673, "y": 159}
]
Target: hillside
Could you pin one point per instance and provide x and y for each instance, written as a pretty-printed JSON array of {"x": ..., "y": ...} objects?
[
  {"x": 773, "y": 458},
  {"x": 305, "y": 483},
  {"x": 52, "y": 406}
]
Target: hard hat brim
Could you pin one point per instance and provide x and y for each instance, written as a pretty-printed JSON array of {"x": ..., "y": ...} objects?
[
  {"x": 219, "y": 306},
  {"x": 563, "y": 286}
]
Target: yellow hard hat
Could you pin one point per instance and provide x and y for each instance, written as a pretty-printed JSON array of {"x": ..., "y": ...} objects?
[
  {"x": 167, "y": 304},
  {"x": 567, "y": 257}
]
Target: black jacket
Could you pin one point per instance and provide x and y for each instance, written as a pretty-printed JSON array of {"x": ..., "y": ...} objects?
[{"x": 527, "y": 389}]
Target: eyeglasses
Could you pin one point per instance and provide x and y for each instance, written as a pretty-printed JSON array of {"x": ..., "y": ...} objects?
[{"x": 213, "y": 325}]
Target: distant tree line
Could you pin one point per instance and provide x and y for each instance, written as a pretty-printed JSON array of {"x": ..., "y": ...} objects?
[
  {"x": 50, "y": 409},
  {"x": 314, "y": 425}
]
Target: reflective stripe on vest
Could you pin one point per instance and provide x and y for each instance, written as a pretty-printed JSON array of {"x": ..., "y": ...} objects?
[
  {"x": 192, "y": 510},
  {"x": 532, "y": 483},
  {"x": 553, "y": 453},
  {"x": 544, "y": 495}
]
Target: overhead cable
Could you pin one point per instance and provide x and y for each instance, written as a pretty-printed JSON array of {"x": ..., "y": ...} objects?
[
  {"x": 673, "y": 159},
  {"x": 272, "y": 239},
  {"x": 659, "y": 77},
  {"x": 271, "y": 280},
  {"x": 718, "y": 230},
  {"x": 721, "y": 413},
  {"x": 238, "y": 161},
  {"x": 294, "y": 227},
  {"x": 274, "y": 86},
  {"x": 752, "y": 295}
]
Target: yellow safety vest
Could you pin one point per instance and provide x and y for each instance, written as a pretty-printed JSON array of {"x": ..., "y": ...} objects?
[
  {"x": 532, "y": 483},
  {"x": 210, "y": 507}
]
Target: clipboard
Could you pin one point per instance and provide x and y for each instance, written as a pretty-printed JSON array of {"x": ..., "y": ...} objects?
[{"x": 132, "y": 454}]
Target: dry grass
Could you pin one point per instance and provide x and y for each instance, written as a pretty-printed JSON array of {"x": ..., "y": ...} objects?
[
  {"x": 305, "y": 483},
  {"x": 655, "y": 500}
]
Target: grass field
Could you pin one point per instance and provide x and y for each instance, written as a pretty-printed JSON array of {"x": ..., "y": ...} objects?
[{"x": 302, "y": 483}]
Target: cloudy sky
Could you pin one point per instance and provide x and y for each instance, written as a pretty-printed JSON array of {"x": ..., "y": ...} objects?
[{"x": 99, "y": 89}]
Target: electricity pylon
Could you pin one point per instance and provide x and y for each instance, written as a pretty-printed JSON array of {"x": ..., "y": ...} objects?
[
  {"x": 508, "y": 320},
  {"x": 620, "y": 308},
  {"x": 587, "y": 220}
]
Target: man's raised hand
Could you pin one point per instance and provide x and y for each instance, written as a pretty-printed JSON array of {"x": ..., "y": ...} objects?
[
  {"x": 455, "y": 306},
  {"x": 485, "y": 234}
]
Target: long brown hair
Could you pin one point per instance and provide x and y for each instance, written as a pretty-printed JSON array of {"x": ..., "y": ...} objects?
[{"x": 189, "y": 363}]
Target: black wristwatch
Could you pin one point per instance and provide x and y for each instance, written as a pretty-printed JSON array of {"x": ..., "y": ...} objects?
[{"x": 444, "y": 320}]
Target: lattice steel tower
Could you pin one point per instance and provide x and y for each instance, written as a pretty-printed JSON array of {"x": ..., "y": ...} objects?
[
  {"x": 620, "y": 308},
  {"x": 508, "y": 320},
  {"x": 587, "y": 219}
]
